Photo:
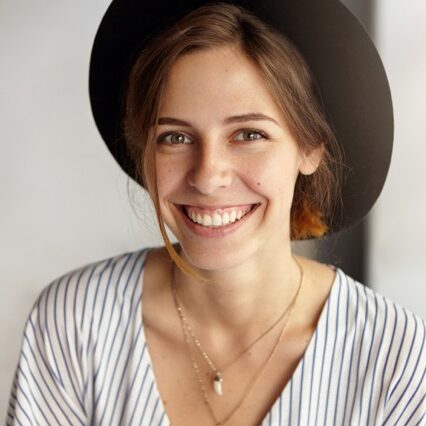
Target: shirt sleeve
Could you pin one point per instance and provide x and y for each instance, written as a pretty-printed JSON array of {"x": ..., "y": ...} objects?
[
  {"x": 406, "y": 397},
  {"x": 48, "y": 385}
]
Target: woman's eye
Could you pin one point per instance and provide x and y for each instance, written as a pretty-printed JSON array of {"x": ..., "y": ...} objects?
[
  {"x": 252, "y": 135},
  {"x": 175, "y": 138}
]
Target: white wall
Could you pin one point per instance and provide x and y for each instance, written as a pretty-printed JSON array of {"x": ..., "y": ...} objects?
[
  {"x": 64, "y": 200},
  {"x": 398, "y": 221}
]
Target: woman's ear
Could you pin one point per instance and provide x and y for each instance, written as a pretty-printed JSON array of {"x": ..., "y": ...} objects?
[{"x": 311, "y": 160}]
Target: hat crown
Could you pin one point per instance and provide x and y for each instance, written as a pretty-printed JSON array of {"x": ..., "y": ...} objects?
[{"x": 350, "y": 74}]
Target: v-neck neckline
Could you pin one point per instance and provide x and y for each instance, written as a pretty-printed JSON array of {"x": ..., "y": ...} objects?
[{"x": 296, "y": 373}]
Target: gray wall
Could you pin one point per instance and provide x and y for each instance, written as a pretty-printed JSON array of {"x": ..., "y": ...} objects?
[
  {"x": 398, "y": 227},
  {"x": 64, "y": 201}
]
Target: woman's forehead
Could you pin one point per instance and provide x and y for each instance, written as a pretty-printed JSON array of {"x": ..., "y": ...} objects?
[{"x": 216, "y": 82}]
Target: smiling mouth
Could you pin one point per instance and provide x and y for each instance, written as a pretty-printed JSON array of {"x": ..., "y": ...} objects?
[{"x": 215, "y": 220}]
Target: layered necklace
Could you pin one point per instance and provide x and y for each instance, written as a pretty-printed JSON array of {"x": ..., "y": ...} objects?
[{"x": 217, "y": 382}]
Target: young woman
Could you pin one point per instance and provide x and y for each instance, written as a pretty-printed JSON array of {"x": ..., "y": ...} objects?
[{"x": 221, "y": 121}]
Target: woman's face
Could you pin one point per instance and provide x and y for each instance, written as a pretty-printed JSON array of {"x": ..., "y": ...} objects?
[{"x": 208, "y": 158}]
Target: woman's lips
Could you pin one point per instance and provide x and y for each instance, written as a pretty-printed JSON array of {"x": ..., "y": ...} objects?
[
  {"x": 215, "y": 231},
  {"x": 211, "y": 211}
]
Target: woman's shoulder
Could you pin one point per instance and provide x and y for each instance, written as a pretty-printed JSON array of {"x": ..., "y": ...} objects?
[
  {"x": 77, "y": 336},
  {"x": 391, "y": 335},
  {"x": 78, "y": 294},
  {"x": 356, "y": 308},
  {"x": 372, "y": 305},
  {"x": 390, "y": 340}
]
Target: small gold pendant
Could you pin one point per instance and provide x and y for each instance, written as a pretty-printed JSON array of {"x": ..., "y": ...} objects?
[{"x": 217, "y": 384}]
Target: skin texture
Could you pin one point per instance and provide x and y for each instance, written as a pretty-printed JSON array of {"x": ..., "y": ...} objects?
[{"x": 252, "y": 275}]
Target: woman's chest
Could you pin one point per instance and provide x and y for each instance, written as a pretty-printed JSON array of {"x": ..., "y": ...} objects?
[{"x": 250, "y": 386}]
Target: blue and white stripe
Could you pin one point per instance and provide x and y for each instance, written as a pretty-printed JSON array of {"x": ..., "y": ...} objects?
[{"x": 84, "y": 359}]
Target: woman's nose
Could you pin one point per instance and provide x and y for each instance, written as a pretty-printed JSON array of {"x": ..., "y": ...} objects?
[{"x": 211, "y": 169}]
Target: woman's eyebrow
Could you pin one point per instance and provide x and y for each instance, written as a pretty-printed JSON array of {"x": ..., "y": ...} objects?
[{"x": 252, "y": 116}]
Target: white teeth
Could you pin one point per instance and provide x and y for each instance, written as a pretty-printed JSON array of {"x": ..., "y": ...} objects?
[
  {"x": 207, "y": 220},
  {"x": 217, "y": 219},
  {"x": 225, "y": 219}
]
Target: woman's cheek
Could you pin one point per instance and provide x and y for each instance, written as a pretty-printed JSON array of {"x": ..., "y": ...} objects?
[
  {"x": 264, "y": 174},
  {"x": 167, "y": 172}
]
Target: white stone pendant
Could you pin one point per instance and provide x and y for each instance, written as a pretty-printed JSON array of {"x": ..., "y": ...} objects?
[{"x": 217, "y": 384}]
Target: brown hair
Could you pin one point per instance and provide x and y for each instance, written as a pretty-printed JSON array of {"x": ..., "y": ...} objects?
[{"x": 286, "y": 75}]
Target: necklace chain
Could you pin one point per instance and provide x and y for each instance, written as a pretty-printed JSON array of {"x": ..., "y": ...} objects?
[
  {"x": 206, "y": 357},
  {"x": 188, "y": 333}
]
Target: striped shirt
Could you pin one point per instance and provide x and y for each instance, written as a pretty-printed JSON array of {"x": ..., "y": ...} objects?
[{"x": 84, "y": 358}]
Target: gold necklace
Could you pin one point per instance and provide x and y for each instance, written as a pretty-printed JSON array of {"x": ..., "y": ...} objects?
[
  {"x": 187, "y": 331},
  {"x": 218, "y": 377}
]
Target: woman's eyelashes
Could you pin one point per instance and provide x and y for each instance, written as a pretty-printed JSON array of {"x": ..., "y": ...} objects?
[
  {"x": 178, "y": 138},
  {"x": 251, "y": 132}
]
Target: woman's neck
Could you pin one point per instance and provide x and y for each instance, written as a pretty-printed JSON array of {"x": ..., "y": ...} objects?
[{"x": 241, "y": 301}]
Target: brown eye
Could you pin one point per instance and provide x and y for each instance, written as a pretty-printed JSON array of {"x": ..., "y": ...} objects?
[
  {"x": 175, "y": 138},
  {"x": 252, "y": 135}
]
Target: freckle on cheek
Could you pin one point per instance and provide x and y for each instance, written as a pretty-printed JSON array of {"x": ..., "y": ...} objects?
[{"x": 258, "y": 183}]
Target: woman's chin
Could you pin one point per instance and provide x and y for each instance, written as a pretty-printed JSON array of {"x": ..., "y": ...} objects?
[{"x": 213, "y": 258}]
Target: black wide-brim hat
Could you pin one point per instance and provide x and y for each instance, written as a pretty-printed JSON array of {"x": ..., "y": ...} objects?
[{"x": 348, "y": 69}]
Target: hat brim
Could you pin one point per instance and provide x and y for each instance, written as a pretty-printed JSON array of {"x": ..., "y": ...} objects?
[{"x": 350, "y": 74}]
